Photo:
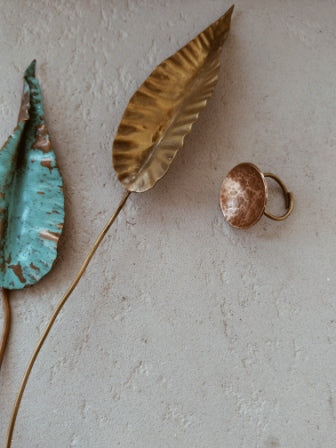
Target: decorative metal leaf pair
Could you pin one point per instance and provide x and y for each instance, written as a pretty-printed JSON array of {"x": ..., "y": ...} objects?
[
  {"x": 152, "y": 130},
  {"x": 31, "y": 195}
]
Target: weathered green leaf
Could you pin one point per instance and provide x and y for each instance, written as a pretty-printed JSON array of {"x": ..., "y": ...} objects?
[{"x": 31, "y": 195}]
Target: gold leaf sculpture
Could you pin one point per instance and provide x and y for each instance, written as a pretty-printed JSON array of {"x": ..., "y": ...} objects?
[
  {"x": 162, "y": 111},
  {"x": 152, "y": 130}
]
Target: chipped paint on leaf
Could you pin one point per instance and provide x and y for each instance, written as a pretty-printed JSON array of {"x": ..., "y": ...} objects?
[{"x": 31, "y": 195}]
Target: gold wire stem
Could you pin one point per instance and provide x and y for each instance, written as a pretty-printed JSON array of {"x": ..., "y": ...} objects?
[
  {"x": 54, "y": 316},
  {"x": 6, "y": 324}
]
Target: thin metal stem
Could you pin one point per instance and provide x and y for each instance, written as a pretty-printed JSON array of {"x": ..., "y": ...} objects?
[
  {"x": 6, "y": 324},
  {"x": 54, "y": 316}
]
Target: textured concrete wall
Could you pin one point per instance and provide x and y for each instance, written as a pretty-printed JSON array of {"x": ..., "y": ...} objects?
[{"x": 184, "y": 332}]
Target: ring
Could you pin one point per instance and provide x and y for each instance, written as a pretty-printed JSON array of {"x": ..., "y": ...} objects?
[{"x": 244, "y": 194}]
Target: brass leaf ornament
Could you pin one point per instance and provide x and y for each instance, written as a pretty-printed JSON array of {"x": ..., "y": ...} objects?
[
  {"x": 152, "y": 130},
  {"x": 162, "y": 111}
]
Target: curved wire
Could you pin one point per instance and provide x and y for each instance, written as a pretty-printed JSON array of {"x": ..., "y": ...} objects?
[
  {"x": 288, "y": 198},
  {"x": 54, "y": 316},
  {"x": 6, "y": 325}
]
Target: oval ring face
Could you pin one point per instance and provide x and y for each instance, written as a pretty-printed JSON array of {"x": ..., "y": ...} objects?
[{"x": 243, "y": 196}]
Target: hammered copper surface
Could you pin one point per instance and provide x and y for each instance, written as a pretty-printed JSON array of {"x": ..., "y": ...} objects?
[{"x": 243, "y": 196}]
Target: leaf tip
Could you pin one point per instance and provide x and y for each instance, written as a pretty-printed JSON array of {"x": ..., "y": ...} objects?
[
  {"x": 226, "y": 18},
  {"x": 30, "y": 71},
  {"x": 230, "y": 10},
  {"x": 221, "y": 27}
]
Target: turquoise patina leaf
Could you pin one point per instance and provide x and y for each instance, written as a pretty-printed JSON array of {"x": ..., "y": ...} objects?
[{"x": 31, "y": 195}]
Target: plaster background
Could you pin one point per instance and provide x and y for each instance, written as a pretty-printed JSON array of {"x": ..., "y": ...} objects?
[{"x": 183, "y": 332}]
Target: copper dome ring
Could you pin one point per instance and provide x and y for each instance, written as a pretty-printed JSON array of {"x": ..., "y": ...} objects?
[{"x": 244, "y": 194}]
